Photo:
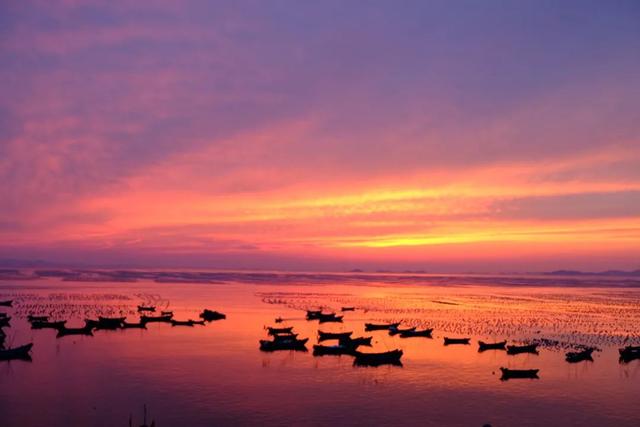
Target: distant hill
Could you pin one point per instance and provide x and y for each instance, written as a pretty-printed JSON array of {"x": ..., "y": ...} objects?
[{"x": 599, "y": 273}]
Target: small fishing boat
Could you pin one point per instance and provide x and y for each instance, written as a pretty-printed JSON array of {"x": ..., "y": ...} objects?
[
  {"x": 484, "y": 346},
  {"x": 276, "y": 331},
  {"x": 182, "y": 322},
  {"x": 91, "y": 323},
  {"x": 518, "y": 349},
  {"x": 110, "y": 322},
  {"x": 139, "y": 325},
  {"x": 629, "y": 353},
  {"x": 146, "y": 308},
  {"x": 380, "y": 326},
  {"x": 40, "y": 324},
  {"x": 32, "y": 318},
  {"x": 285, "y": 337},
  {"x": 333, "y": 350},
  {"x": 21, "y": 352},
  {"x": 331, "y": 317},
  {"x": 313, "y": 314},
  {"x": 210, "y": 315},
  {"x": 376, "y": 359},
  {"x": 423, "y": 333},
  {"x": 64, "y": 331},
  {"x": 348, "y": 309},
  {"x": 449, "y": 341},
  {"x": 365, "y": 341},
  {"x": 167, "y": 313},
  {"x": 396, "y": 330},
  {"x": 508, "y": 374},
  {"x": 579, "y": 356},
  {"x": 6, "y": 303},
  {"x": 279, "y": 320},
  {"x": 324, "y": 336},
  {"x": 290, "y": 344},
  {"x": 157, "y": 319}
]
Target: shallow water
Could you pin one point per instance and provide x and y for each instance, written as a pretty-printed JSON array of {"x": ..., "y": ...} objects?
[{"x": 215, "y": 374}]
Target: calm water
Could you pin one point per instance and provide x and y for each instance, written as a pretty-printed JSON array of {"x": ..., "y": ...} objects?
[{"x": 215, "y": 375}]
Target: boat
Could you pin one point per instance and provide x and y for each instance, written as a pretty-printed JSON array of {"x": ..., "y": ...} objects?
[
  {"x": 6, "y": 303},
  {"x": 285, "y": 337},
  {"x": 423, "y": 333},
  {"x": 348, "y": 309},
  {"x": 508, "y": 374},
  {"x": 146, "y": 308},
  {"x": 365, "y": 341},
  {"x": 32, "y": 318},
  {"x": 518, "y": 349},
  {"x": 331, "y": 317},
  {"x": 64, "y": 331},
  {"x": 91, "y": 323},
  {"x": 323, "y": 336},
  {"x": 579, "y": 356},
  {"x": 313, "y": 314},
  {"x": 396, "y": 330},
  {"x": 110, "y": 322},
  {"x": 376, "y": 359},
  {"x": 162, "y": 318},
  {"x": 139, "y": 325},
  {"x": 333, "y": 350},
  {"x": 21, "y": 352},
  {"x": 290, "y": 344},
  {"x": 167, "y": 313},
  {"x": 210, "y": 315},
  {"x": 276, "y": 331},
  {"x": 46, "y": 324},
  {"x": 449, "y": 341},
  {"x": 279, "y": 320},
  {"x": 484, "y": 346},
  {"x": 380, "y": 326},
  {"x": 629, "y": 353},
  {"x": 182, "y": 322}
]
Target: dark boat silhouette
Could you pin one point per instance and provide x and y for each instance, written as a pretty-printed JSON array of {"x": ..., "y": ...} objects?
[
  {"x": 423, "y": 333},
  {"x": 167, "y": 313},
  {"x": 64, "y": 331},
  {"x": 279, "y": 320},
  {"x": 110, "y": 323},
  {"x": 21, "y": 352},
  {"x": 182, "y": 322},
  {"x": 32, "y": 318},
  {"x": 324, "y": 336},
  {"x": 484, "y": 346},
  {"x": 284, "y": 337},
  {"x": 376, "y": 359},
  {"x": 285, "y": 344},
  {"x": 358, "y": 341},
  {"x": 629, "y": 353},
  {"x": 331, "y": 317},
  {"x": 275, "y": 331},
  {"x": 139, "y": 325},
  {"x": 579, "y": 356},
  {"x": 348, "y": 309},
  {"x": 396, "y": 330},
  {"x": 39, "y": 324},
  {"x": 156, "y": 319},
  {"x": 6, "y": 303},
  {"x": 508, "y": 374},
  {"x": 519, "y": 349},
  {"x": 210, "y": 315},
  {"x": 380, "y": 326},
  {"x": 149, "y": 308},
  {"x": 450, "y": 341},
  {"x": 313, "y": 314}
]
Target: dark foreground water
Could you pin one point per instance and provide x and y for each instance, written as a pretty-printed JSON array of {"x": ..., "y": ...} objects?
[{"x": 215, "y": 375}]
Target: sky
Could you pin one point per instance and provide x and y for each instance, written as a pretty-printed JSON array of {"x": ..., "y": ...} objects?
[{"x": 301, "y": 135}]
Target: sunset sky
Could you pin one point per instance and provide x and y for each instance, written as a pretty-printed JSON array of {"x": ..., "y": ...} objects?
[{"x": 298, "y": 135}]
